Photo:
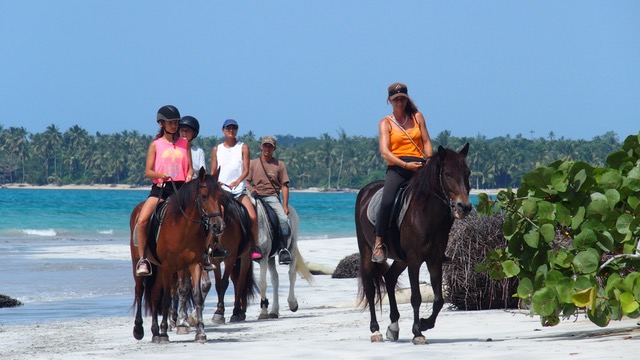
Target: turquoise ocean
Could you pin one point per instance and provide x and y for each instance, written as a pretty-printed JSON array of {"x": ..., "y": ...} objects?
[{"x": 36, "y": 225}]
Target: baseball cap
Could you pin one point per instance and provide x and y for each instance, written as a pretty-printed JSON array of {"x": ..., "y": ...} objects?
[
  {"x": 229, "y": 122},
  {"x": 269, "y": 140},
  {"x": 397, "y": 90}
]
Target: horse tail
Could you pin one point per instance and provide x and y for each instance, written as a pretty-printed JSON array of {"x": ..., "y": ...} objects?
[
  {"x": 152, "y": 290},
  {"x": 377, "y": 273},
  {"x": 301, "y": 267},
  {"x": 250, "y": 284}
]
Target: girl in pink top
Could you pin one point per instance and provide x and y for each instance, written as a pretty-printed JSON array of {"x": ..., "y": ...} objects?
[{"x": 168, "y": 164}]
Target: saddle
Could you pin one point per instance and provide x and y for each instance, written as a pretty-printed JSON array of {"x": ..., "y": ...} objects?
[
  {"x": 398, "y": 211},
  {"x": 153, "y": 228},
  {"x": 278, "y": 241}
]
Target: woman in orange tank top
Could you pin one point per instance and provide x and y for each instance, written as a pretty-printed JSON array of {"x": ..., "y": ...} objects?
[{"x": 405, "y": 145}]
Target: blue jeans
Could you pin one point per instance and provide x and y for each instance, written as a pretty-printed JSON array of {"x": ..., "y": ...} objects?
[{"x": 283, "y": 219}]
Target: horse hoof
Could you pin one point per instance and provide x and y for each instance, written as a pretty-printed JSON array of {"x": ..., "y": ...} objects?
[
  {"x": 235, "y": 318},
  {"x": 157, "y": 339},
  {"x": 218, "y": 319},
  {"x": 201, "y": 338},
  {"x": 182, "y": 329},
  {"x": 138, "y": 332},
  {"x": 293, "y": 307},
  {"x": 393, "y": 332},
  {"x": 419, "y": 340},
  {"x": 377, "y": 337},
  {"x": 273, "y": 316},
  {"x": 263, "y": 316}
]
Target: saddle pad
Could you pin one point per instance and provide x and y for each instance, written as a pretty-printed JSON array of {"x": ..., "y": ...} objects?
[{"x": 374, "y": 207}]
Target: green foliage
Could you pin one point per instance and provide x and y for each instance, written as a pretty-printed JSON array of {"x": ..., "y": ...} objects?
[
  {"x": 77, "y": 157},
  {"x": 573, "y": 232}
]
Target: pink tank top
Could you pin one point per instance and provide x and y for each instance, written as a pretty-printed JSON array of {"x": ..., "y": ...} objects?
[{"x": 172, "y": 159}]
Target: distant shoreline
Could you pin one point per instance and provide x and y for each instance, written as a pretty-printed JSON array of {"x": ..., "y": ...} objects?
[{"x": 147, "y": 188}]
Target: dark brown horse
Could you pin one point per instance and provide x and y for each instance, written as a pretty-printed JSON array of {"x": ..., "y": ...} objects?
[
  {"x": 193, "y": 215},
  {"x": 436, "y": 195},
  {"x": 238, "y": 265}
]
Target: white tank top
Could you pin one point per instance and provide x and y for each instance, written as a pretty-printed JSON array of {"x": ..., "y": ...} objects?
[{"x": 230, "y": 163}]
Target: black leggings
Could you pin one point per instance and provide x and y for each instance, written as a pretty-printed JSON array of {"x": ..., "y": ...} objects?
[{"x": 395, "y": 177}]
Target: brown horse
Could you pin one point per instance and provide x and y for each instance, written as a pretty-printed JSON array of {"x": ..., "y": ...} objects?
[
  {"x": 436, "y": 195},
  {"x": 193, "y": 215},
  {"x": 238, "y": 265}
]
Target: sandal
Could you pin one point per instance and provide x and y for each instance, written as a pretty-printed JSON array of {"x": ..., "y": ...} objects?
[{"x": 379, "y": 254}]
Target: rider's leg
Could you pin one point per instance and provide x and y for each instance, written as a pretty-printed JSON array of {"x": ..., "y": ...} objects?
[
  {"x": 284, "y": 257},
  {"x": 253, "y": 218},
  {"x": 392, "y": 182},
  {"x": 143, "y": 266}
]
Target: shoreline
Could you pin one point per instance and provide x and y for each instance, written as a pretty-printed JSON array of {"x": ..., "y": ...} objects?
[{"x": 492, "y": 192}]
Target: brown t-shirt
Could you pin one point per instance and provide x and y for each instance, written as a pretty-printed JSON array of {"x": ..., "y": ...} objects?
[{"x": 276, "y": 171}]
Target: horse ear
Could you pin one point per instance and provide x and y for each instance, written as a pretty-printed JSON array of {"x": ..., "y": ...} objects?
[
  {"x": 442, "y": 152},
  {"x": 465, "y": 150},
  {"x": 202, "y": 173}
]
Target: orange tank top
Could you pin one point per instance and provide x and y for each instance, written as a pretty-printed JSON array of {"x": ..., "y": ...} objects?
[{"x": 400, "y": 143}]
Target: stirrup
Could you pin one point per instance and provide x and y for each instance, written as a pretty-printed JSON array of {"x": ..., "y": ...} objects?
[
  {"x": 206, "y": 263},
  {"x": 146, "y": 271},
  {"x": 284, "y": 257},
  {"x": 382, "y": 253}
]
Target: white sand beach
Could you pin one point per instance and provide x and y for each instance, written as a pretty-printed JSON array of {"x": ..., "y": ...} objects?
[{"x": 326, "y": 325}]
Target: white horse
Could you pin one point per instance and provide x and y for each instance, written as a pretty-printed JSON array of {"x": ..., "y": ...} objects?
[{"x": 297, "y": 265}]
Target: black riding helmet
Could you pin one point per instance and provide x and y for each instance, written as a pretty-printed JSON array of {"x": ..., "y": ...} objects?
[
  {"x": 192, "y": 123},
  {"x": 168, "y": 112}
]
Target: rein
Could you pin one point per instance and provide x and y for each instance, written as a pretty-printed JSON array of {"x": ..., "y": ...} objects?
[{"x": 204, "y": 217}]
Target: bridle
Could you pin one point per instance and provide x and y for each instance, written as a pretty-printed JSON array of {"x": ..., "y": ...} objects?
[
  {"x": 443, "y": 196},
  {"x": 205, "y": 218}
]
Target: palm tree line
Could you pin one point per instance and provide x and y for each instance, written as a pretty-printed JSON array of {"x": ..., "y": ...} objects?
[{"x": 329, "y": 162}]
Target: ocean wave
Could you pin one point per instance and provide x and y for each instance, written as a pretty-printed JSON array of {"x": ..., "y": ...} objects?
[
  {"x": 39, "y": 232},
  {"x": 106, "y": 232}
]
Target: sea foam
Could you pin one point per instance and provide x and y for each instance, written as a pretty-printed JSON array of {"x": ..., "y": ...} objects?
[{"x": 40, "y": 232}]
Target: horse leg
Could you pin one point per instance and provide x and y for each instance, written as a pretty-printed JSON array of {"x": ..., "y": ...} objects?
[
  {"x": 391, "y": 279},
  {"x": 167, "y": 279},
  {"x": 183, "y": 292},
  {"x": 205, "y": 286},
  {"x": 275, "y": 284},
  {"x": 196, "y": 271},
  {"x": 173, "y": 309},
  {"x": 264, "y": 302},
  {"x": 435, "y": 272},
  {"x": 293, "y": 302},
  {"x": 239, "y": 281},
  {"x": 222, "y": 283},
  {"x": 368, "y": 285},
  {"x": 416, "y": 301},
  {"x": 138, "y": 330}
]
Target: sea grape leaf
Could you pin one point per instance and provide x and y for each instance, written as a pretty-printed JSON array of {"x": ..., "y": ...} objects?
[
  {"x": 544, "y": 301},
  {"x": 586, "y": 262}
]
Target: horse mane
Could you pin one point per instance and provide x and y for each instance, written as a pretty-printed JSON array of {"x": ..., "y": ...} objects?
[
  {"x": 183, "y": 199},
  {"x": 425, "y": 180}
]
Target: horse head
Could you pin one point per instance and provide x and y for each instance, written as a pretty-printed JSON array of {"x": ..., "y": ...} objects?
[
  {"x": 454, "y": 180},
  {"x": 209, "y": 194}
]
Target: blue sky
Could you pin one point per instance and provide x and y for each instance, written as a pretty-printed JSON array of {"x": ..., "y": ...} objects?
[{"x": 306, "y": 68}]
